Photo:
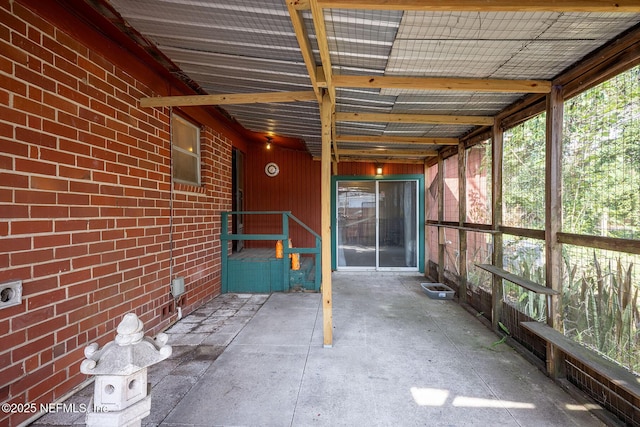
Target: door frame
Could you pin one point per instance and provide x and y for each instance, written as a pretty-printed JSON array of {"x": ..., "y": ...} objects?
[{"x": 334, "y": 212}]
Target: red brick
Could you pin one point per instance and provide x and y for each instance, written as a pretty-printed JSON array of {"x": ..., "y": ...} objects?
[
  {"x": 48, "y": 298},
  {"x": 11, "y": 373},
  {"x": 6, "y": 195},
  {"x": 35, "y": 94},
  {"x": 4, "y": 228},
  {"x": 30, "y": 197},
  {"x": 73, "y": 199},
  {"x": 82, "y": 313},
  {"x": 62, "y": 336},
  {"x": 84, "y": 212},
  {"x": 14, "y": 273},
  {"x": 71, "y": 43},
  {"x": 71, "y": 304},
  {"x": 71, "y": 68},
  {"x": 90, "y": 163},
  {"x": 98, "y": 200},
  {"x": 70, "y": 361},
  {"x": 29, "y": 227},
  {"x": 12, "y": 85},
  {"x": 122, "y": 171},
  {"x": 14, "y": 180},
  {"x": 75, "y": 173},
  {"x": 59, "y": 103},
  {"x": 41, "y": 393},
  {"x": 57, "y": 156},
  {"x": 32, "y": 166},
  {"x": 102, "y": 107},
  {"x": 70, "y": 225},
  {"x": 87, "y": 237},
  {"x": 37, "y": 376},
  {"x": 35, "y": 137},
  {"x": 55, "y": 267},
  {"x": 112, "y": 190},
  {"x": 17, "y": 244},
  {"x": 47, "y": 327},
  {"x": 49, "y": 211},
  {"x": 29, "y": 318},
  {"x": 120, "y": 107},
  {"x": 36, "y": 78},
  {"x": 51, "y": 240},
  {"x": 105, "y": 177},
  {"x": 40, "y": 285},
  {"x": 106, "y": 293},
  {"x": 109, "y": 280},
  {"x": 75, "y": 276},
  {"x": 63, "y": 78},
  {"x": 12, "y": 53},
  {"x": 31, "y": 47},
  {"x": 60, "y": 130},
  {"x": 31, "y": 257},
  {"x": 92, "y": 68},
  {"x": 52, "y": 184},
  {"x": 102, "y": 131},
  {"x": 72, "y": 94},
  {"x": 11, "y": 21},
  {"x": 83, "y": 187},
  {"x": 79, "y": 283},
  {"x": 86, "y": 261},
  {"x": 33, "y": 19}
]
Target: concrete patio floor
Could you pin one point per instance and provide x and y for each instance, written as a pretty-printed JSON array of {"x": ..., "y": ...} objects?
[{"x": 398, "y": 359}]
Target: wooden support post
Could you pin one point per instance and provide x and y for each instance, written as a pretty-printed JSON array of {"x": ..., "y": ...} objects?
[
  {"x": 224, "y": 251},
  {"x": 553, "y": 220},
  {"x": 496, "y": 195},
  {"x": 441, "y": 235},
  {"x": 325, "y": 197},
  {"x": 426, "y": 217},
  {"x": 462, "y": 217}
]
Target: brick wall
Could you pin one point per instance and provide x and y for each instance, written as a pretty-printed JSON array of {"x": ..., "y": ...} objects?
[{"x": 85, "y": 194}]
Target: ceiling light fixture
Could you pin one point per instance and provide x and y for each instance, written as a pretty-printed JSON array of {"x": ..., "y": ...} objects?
[{"x": 269, "y": 143}]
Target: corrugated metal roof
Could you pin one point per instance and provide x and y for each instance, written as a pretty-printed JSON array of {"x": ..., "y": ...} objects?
[{"x": 244, "y": 46}]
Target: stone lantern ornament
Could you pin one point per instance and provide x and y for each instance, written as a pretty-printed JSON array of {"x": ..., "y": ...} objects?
[{"x": 120, "y": 396}]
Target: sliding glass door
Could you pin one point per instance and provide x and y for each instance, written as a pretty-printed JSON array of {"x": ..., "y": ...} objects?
[{"x": 377, "y": 225}]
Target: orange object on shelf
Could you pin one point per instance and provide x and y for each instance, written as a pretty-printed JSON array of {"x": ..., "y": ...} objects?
[
  {"x": 279, "y": 249},
  {"x": 295, "y": 261}
]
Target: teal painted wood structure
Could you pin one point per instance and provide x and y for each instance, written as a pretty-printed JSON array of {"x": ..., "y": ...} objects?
[{"x": 258, "y": 270}]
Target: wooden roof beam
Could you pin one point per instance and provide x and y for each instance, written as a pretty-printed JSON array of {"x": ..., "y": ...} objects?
[
  {"x": 357, "y": 159},
  {"x": 487, "y": 6},
  {"x": 377, "y": 152},
  {"x": 305, "y": 48},
  {"x": 442, "y": 83},
  {"x": 227, "y": 99},
  {"x": 409, "y": 140},
  {"x": 414, "y": 118}
]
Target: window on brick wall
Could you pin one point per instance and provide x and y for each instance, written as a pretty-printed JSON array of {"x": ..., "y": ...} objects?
[{"x": 185, "y": 139}]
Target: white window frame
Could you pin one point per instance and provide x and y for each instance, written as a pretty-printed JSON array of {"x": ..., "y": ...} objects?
[{"x": 177, "y": 120}]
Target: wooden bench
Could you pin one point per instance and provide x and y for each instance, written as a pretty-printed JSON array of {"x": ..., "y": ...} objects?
[
  {"x": 559, "y": 345},
  {"x": 520, "y": 281}
]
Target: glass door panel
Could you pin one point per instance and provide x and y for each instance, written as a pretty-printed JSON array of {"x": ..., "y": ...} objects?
[
  {"x": 356, "y": 204},
  {"x": 398, "y": 221}
]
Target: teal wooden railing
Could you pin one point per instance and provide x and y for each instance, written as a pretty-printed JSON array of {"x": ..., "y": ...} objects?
[{"x": 287, "y": 216}]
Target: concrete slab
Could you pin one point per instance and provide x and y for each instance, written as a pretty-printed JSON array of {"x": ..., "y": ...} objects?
[
  {"x": 247, "y": 385},
  {"x": 398, "y": 358}
]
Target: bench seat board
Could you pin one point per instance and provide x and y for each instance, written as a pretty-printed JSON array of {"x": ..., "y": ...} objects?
[
  {"x": 520, "y": 281},
  {"x": 615, "y": 373}
]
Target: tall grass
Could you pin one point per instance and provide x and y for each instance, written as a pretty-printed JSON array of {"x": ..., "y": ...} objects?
[{"x": 601, "y": 309}]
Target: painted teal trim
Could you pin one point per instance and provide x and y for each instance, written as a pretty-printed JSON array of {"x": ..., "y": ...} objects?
[
  {"x": 284, "y": 268},
  {"x": 409, "y": 177}
]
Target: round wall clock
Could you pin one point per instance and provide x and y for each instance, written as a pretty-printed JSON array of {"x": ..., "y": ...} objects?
[{"x": 271, "y": 169}]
